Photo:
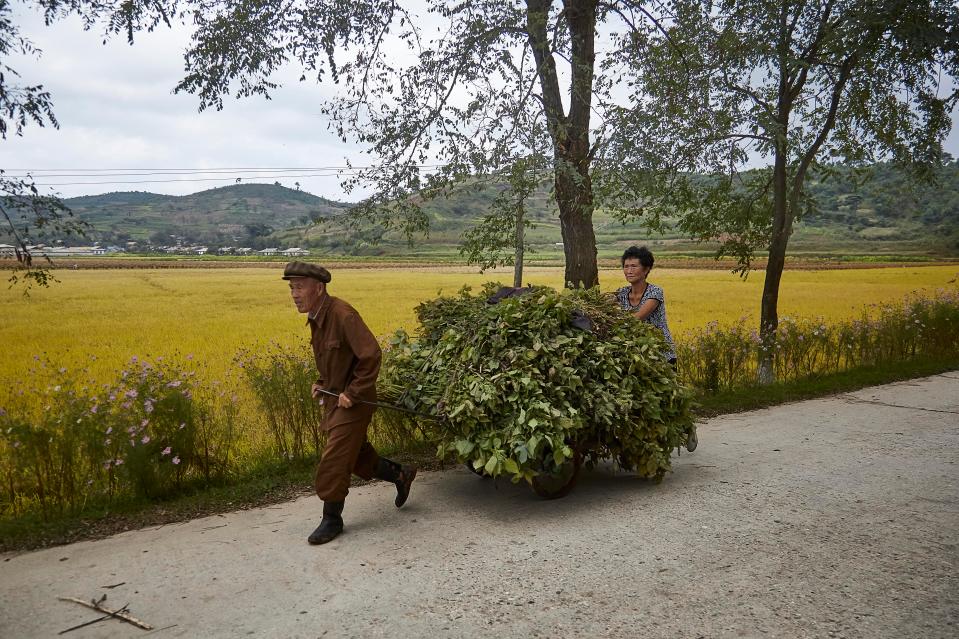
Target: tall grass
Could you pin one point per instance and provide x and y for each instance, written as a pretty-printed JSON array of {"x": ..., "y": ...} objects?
[
  {"x": 717, "y": 358},
  {"x": 161, "y": 428},
  {"x": 147, "y": 433}
]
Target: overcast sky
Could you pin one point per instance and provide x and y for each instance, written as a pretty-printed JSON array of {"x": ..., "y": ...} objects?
[{"x": 117, "y": 111}]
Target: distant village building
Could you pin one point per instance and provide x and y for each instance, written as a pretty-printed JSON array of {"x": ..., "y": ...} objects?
[
  {"x": 268, "y": 251},
  {"x": 71, "y": 251},
  {"x": 225, "y": 250},
  {"x": 6, "y": 250},
  {"x": 295, "y": 252},
  {"x": 244, "y": 250}
]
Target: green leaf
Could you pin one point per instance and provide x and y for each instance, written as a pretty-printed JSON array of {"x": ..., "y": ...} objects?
[
  {"x": 531, "y": 444},
  {"x": 558, "y": 457},
  {"x": 464, "y": 447}
]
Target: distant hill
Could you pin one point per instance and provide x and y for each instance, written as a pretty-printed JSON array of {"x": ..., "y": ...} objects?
[
  {"x": 231, "y": 214},
  {"x": 885, "y": 215}
]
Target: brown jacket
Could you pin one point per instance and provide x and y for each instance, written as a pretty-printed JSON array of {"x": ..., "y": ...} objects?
[{"x": 347, "y": 358}]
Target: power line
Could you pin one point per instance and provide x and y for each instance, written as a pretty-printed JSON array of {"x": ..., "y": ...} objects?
[
  {"x": 100, "y": 177},
  {"x": 120, "y": 172},
  {"x": 162, "y": 172},
  {"x": 210, "y": 179}
]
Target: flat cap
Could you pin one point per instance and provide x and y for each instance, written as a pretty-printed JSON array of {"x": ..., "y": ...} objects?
[{"x": 304, "y": 269}]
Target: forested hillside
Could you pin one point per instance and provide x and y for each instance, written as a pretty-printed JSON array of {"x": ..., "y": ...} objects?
[
  {"x": 872, "y": 211},
  {"x": 230, "y": 215}
]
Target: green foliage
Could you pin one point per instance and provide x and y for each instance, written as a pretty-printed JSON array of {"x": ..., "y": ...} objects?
[
  {"x": 852, "y": 82},
  {"x": 141, "y": 435},
  {"x": 501, "y": 236},
  {"x": 281, "y": 378},
  {"x": 161, "y": 429},
  {"x": 721, "y": 359},
  {"x": 518, "y": 389}
]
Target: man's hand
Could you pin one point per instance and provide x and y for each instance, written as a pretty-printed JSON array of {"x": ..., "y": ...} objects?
[
  {"x": 343, "y": 401},
  {"x": 315, "y": 391}
]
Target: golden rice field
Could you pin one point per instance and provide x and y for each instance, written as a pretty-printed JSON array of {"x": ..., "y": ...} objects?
[{"x": 113, "y": 315}]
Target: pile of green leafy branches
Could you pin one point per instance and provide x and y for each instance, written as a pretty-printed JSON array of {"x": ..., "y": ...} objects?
[{"x": 518, "y": 387}]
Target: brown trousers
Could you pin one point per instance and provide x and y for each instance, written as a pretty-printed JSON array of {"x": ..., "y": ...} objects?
[{"x": 346, "y": 452}]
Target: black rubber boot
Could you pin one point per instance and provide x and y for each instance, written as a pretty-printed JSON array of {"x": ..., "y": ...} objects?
[
  {"x": 401, "y": 476},
  {"x": 332, "y": 524},
  {"x": 692, "y": 441}
]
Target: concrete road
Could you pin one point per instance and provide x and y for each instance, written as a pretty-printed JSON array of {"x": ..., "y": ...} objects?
[{"x": 835, "y": 517}]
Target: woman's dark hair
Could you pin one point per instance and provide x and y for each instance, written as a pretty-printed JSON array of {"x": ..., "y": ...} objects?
[{"x": 640, "y": 253}]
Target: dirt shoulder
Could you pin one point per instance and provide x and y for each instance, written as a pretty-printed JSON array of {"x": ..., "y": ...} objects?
[{"x": 831, "y": 517}]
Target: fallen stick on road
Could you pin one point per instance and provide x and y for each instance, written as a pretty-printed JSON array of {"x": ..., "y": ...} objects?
[
  {"x": 93, "y": 621},
  {"x": 119, "y": 614}
]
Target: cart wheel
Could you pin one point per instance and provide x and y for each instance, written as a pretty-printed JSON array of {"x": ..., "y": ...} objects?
[
  {"x": 559, "y": 484},
  {"x": 474, "y": 470}
]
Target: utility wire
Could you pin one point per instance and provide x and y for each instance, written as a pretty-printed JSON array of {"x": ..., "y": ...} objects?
[
  {"x": 219, "y": 168},
  {"x": 210, "y": 179},
  {"x": 96, "y": 177},
  {"x": 85, "y": 172}
]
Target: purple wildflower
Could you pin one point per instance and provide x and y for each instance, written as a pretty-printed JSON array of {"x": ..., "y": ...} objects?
[
  {"x": 176, "y": 461},
  {"x": 165, "y": 451}
]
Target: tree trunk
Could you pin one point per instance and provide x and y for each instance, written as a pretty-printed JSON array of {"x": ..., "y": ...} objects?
[
  {"x": 782, "y": 217},
  {"x": 520, "y": 239},
  {"x": 574, "y": 196},
  {"x": 570, "y": 134}
]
